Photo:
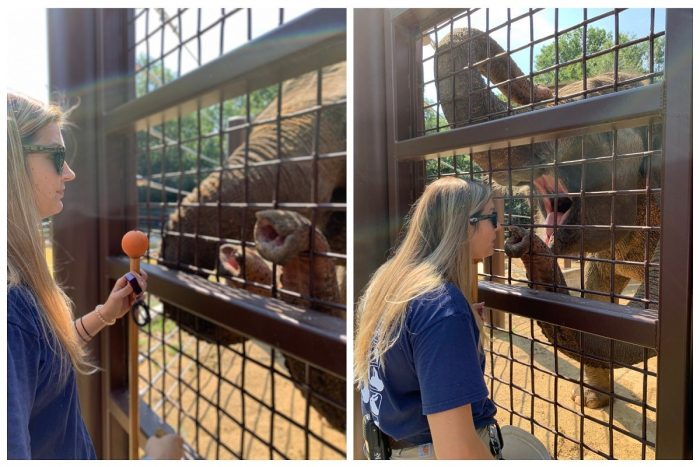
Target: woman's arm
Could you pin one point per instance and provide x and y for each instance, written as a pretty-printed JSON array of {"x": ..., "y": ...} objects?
[
  {"x": 90, "y": 324},
  {"x": 454, "y": 435}
]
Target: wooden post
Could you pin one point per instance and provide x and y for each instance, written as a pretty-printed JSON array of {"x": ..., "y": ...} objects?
[
  {"x": 135, "y": 245},
  {"x": 497, "y": 267},
  {"x": 134, "y": 424}
]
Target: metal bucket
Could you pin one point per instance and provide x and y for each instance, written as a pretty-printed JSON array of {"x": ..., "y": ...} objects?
[{"x": 519, "y": 444}]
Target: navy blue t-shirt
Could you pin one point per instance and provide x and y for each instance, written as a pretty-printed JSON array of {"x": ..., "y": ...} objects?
[
  {"x": 435, "y": 365},
  {"x": 43, "y": 417}
]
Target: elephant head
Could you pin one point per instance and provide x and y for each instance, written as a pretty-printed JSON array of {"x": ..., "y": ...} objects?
[
  {"x": 275, "y": 165},
  {"x": 463, "y": 61}
]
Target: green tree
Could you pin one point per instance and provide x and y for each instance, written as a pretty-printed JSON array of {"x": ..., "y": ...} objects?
[
  {"x": 431, "y": 118},
  {"x": 632, "y": 59}
]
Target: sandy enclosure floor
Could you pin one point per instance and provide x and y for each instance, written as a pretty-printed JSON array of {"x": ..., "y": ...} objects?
[
  {"x": 574, "y": 433},
  {"x": 529, "y": 371},
  {"x": 190, "y": 404}
]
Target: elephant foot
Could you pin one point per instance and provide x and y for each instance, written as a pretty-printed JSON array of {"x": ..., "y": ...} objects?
[
  {"x": 598, "y": 378},
  {"x": 592, "y": 399}
]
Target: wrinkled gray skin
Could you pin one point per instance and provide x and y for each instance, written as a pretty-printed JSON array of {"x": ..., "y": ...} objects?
[
  {"x": 297, "y": 136},
  {"x": 282, "y": 237},
  {"x": 465, "y": 107},
  {"x": 296, "y": 140}
]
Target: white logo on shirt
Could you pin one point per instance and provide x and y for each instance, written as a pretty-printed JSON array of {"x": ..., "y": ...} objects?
[
  {"x": 374, "y": 402},
  {"x": 371, "y": 393},
  {"x": 374, "y": 381},
  {"x": 364, "y": 392}
]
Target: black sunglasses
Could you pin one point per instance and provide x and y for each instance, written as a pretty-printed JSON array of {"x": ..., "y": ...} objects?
[
  {"x": 493, "y": 217},
  {"x": 57, "y": 152}
]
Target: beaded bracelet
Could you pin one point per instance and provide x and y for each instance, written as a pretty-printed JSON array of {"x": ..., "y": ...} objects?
[{"x": 99, "y": 315}]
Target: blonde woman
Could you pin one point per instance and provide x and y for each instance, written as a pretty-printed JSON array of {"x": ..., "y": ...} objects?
[
  {"x": 419, "y": 362},
  {"x": 45, "y": 343}
]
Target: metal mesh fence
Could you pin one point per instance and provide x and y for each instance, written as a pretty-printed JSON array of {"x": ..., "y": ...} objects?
[
  {"x": 484, "y": 64},
  {"x": 585, "y": 203},
  {"x": 248, "y": 193},
  {"x": 170, "y": 42},
  {"x": 230, "y": 401}
]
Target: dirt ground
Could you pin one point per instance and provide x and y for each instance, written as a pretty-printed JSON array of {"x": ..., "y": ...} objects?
[
  {"x": 564, "y": 418},
  {"x": 199, "y": 390}
]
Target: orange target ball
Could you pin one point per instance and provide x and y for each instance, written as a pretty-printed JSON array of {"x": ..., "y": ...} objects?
[{"x": 135, "y": 244}]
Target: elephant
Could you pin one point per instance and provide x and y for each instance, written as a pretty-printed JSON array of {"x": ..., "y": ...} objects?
[
  {"x": 283, "y": 237},
  {"x": 266, "y": 169},
  {"x": 542, "y": 268},
  {"x": 463, "y": 59}
]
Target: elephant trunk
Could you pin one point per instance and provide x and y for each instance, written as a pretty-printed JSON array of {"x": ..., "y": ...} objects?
[{"x": 542, "y": 268}]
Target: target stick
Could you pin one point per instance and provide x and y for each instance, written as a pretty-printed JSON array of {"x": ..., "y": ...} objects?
[{"x": 135, "y": 245}]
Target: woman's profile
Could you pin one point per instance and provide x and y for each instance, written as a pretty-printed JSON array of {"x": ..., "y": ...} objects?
[
  {"x": 45, "y": 341},
  {"x": 419, "y": 362}
]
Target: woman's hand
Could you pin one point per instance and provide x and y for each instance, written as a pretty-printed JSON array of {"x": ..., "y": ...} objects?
[
  {"x": 122, "y": 296},
  {"x": 479, "y": 308},
  {"x": 165, "y": 447}
]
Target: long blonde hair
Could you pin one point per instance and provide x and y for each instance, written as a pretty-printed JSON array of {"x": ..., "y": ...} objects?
[
  {"x": 435, "y": 250},
  {"x": 26, "y": 259}
]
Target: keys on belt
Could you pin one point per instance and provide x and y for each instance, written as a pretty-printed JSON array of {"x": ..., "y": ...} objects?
[
  {"x": 377, "y": 444},
  {"x": 495, "y": 441}
]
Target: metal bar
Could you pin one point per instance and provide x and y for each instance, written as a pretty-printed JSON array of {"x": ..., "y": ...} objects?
[
  {"x": 399, "y": 63},
  {"x": 609, "y": 320},
  {"x": 115, "y": 33},
  {"x": 675, "y": 326},
  {"x": 418, "y": 17},
  {"x": 306, "y": 334},
  {"x": 307, "y": 43},
  {"x": 69, "y": 72},
  {"x": 624, "y": 109},
  {"x": 370, "y": 192}
]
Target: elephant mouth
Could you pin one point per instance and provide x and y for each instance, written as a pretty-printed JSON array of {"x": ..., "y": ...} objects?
[
  {"x": 271, "y": 236},
  {"x": 235, "y": 264},
  {"x": 556, "y": 209},
  {"x": 231, "y": 258}
]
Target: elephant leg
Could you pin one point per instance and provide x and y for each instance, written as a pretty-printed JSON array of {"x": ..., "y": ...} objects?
[
  {"x": 598, "y": 377},
  {"x": 598, "y": 278}
]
